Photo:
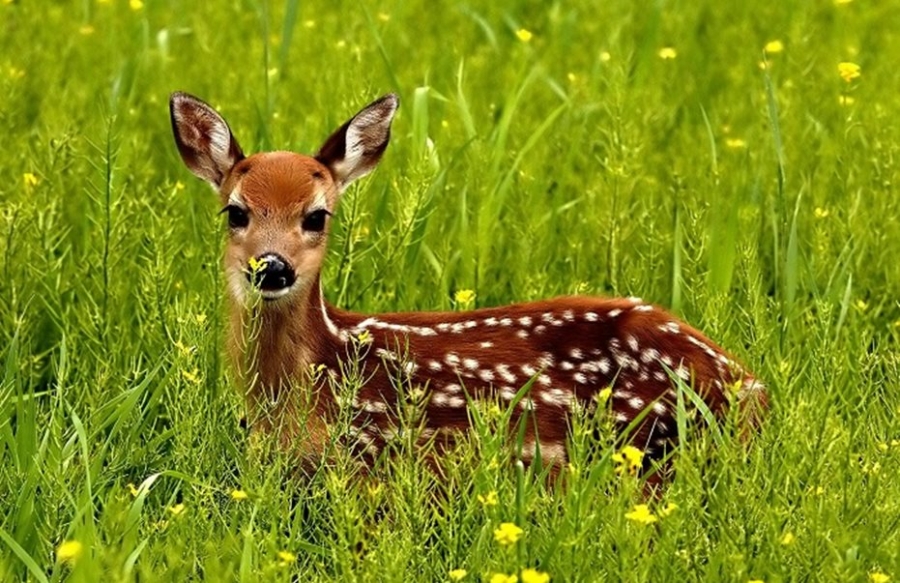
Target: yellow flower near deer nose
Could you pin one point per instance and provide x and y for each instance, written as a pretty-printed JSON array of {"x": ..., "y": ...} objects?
[{"x": 641, "y": 514}]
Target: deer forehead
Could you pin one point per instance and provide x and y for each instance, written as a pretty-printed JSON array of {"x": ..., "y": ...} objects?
[{"x": 280, "y": 183}]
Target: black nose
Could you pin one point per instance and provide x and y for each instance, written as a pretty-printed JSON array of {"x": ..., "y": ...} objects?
[{"x": 271, "y": 272}]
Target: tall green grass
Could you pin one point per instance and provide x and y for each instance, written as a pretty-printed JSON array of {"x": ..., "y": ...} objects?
[{"x": 757, "y": 202}]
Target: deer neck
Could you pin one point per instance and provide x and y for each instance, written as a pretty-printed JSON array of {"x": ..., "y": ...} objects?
[{"x": 275, "y": 348}]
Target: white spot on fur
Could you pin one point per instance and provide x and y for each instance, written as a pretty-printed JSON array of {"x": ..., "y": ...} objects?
[
  {"x": 457, "y": 328},
  {"x": 506, "y": 321},
  {"x": 545, "y": 360},
  {"x": 470, "y": 363},
  {"x": 604, "y": 365},
  {"x": 540, "y": 329},
  {"x": 566, "y": 365},
  {"x": 529, "y": 370},
  {"x": 486, "y": 344},
  {"x": 632, "y": 342},
  {"x": 469, "y": 324},
  {"x": 576, "y": 354},
  {"x": 649, "y": 355},
  {"x": 591, "y": 316},
  {"x": 505, "y": 373},
  {"x": 443, "y": 327},
  {"x": 614, "y": 313},
  {"x": 434, "y": 365},
  {"x": 374, "y": 406},
  {"x": 544, "y": 380},
  {"x": 580, "y": 378},
  {"x": 683, "y": 373},
  {"x": 660, "y": 408},
  {"x": 507, "y": 393},
  {"x": 385, "y": 354},
  {"x": 452, "y": 359},
  {"x": 525, "y": 321},
  {"x": 491, "y": 322},
  {"x": 671, "y": 327},
  {"x": 523, "y": 334},
  {"x": 568, "y": 315},
  {"x": 486, "y": 375},
  {"x": 527, "y": 404},
  {"x": 660, "y": 376},
  {"x": 453, "y": 389},
  {"x": 643, "y": 308},
  {"x": 636, "y": 403}
]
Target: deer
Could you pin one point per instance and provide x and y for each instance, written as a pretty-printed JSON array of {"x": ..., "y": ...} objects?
[{"x": 543, "y": 360}]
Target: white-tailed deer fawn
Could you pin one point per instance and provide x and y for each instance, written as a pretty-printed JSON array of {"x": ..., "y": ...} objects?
[{"x": 279, "y": 206}]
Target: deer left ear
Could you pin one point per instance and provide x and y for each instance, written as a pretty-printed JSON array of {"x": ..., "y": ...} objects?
[{"x": 356, "y": 147}]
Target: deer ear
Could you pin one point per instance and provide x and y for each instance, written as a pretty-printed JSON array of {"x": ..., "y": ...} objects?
[
  {"x": 356, "y": 147},
  {"x": 203, "y": 138}
]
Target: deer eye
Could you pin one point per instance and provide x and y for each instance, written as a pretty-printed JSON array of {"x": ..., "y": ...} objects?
[
  {"x": 237, "y": 217},
  {"x": 315, "y": 221}
]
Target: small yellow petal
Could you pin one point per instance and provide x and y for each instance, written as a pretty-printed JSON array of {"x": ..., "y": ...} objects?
[
  {"x": 136, "y": 4},
  {"x": 788, "y": 538},
  {"x": 507, "y": 534},
  {"x": 849, "y": 71},
  {"x": 524, "y": 35},
  {"x": 287, "y": 558},
  {"x": 534, "y": 576},
  {"x": 177, "y": 510},
  {"x": 239, "y": 495},
  {"x": 457, "y": 574},
  {"x": 878, "y": 577}
]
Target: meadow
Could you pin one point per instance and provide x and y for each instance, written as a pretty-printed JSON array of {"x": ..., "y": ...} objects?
[{"x": 736, "y": 163}]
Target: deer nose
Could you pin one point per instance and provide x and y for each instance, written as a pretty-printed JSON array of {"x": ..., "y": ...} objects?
[{"x": 271, "y": 272}]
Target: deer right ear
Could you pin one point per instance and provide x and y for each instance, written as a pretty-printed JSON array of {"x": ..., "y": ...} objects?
[{"x": 203, "y": 138}]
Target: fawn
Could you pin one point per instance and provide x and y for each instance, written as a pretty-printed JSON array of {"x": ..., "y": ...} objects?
[{"x": 542, "y": 359}]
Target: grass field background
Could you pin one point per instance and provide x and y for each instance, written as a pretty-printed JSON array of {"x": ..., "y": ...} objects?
[{"x": 544, "y": 148}]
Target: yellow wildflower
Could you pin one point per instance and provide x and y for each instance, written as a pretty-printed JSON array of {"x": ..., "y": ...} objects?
[
  {"x": 239, "y": 495},
  {"x": 534, "y": 576},
  {"x": 457, "y": 574},
  {"x": 641, "y": 514},
  {"x": 756, "y": 581},
  {"x": 508, "y": 534},
  {"x": 878, "y": 577},
  {"x": 489, "y": 499},
  {"x": 842, "y": 2},
  {"x": 256, "y": 265},
  {"x": 384, "y": 16},
  {"x": 862, "y": 305},
  {"x": 464, "y": 297},
  {"x": 87, "y": 29},
  {"x": 604, "y": 394},
  {"x": 69, "y": 551},
  {"x": 628, "y": 459},
  {"x": 524, "y": 35},
  {"x": 177, "y": 510},
  {"x": 179, "y": 185},
  {"x": 286, "y": 558},
  {"x": 849, "y": 71},
  {"x": 667, "y": 53},
  {"x": 605, "y": 57},
  {"x": 774, "y": 46},
  {"x": 883, "y": 446},
  {"x": 846, "y": 100},
  {"x": 309, "y": 23},
  {"x": 503, "y": 578},
  {"x": 821, "y": 213},
  {"x": 30, "y": 179},
  {"x": 135, "y": 4},
  {"x": 192, "y": 376},
  {"x": 132, "y": 489},
  {"x": 788, "y": 538},
  {"x": 735, "y": 143}
]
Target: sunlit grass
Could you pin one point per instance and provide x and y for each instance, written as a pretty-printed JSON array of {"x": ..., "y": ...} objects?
[{"x": 736, "y": 163}]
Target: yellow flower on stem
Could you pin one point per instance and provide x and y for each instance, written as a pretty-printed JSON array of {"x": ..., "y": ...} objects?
[
  {"x": 628, "y": 460},
  {"x": 239, "y": 495},
  {"x": 508, "y": 534},
  {"x": 524, "y": 35},
  {"x": 504, "y": 578},
  {"x": 849, "y": 71},
  {"x": 177, "y": 510},
  {"x": 641, "y": 514},
  {"x": 878, "y": 577},
  {"x": 464, "y": 297},
  {"x": 69, "y": 551},
  {"x": 286, "y": 558},
  {"x": 774, "y": 46},
  {"x": 457, "y": 574},
  {"x": 534, "y": 576}
]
